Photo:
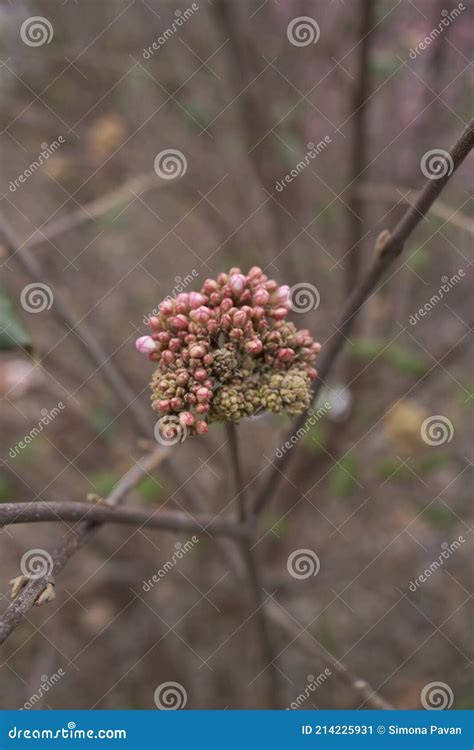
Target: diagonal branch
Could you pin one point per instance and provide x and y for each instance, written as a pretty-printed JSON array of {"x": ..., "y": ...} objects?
[
  {"x": 388, "y": 247},
  {"x": 72, "y": 542},
  {"x": 96, "y": 209}
]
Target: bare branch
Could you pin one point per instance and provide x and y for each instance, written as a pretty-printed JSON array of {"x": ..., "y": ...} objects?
[
  {"x": 359, "y": 144},
  {"x": 308, "y": 644},
  {"x": 387, "y": 251},
  {"x": 402, "y": 194},
  {"x": 65, "y": 314},
  {"x": 99, "y": 513},
  {"x": 95, "y": 209},
  {"x": 71, "y": 543},
  {"x": 252, "y": 573}
]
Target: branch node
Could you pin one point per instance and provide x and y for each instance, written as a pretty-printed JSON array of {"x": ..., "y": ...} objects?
[
  {"x": 20, "y": 582},
  {"x": 382, "y": 242}
]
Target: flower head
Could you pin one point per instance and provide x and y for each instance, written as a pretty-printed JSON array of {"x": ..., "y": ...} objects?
[{"x": 228, "y": 352}]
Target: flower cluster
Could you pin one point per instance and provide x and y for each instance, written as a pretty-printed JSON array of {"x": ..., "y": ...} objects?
[{"x": 228, "y": 352}]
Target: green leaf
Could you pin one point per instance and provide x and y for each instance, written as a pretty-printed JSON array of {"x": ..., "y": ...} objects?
[{"x": 13, "y": 334}]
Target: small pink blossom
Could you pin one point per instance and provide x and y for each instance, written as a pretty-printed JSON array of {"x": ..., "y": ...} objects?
[{"x": 145, "y": 345}]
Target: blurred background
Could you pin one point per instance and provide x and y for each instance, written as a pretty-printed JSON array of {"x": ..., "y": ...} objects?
[{"x": 241, "y": 98}]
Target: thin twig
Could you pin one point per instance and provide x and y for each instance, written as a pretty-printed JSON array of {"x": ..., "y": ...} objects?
[
  {"x": 359, "y": 145},
  {"x": 373, "y": 191},
  {"x": 310, "y": 646},
  {"x": 387, "y": 249},
  {"x": 63, "y": 311},
  {"x": 71, "y": 543},
  {"x": 253, "y": 573},
  {"x": 95, "y": 209},
  {"x": 100, "y": 513}
]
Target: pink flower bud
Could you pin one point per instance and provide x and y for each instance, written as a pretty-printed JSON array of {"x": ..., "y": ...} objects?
[
  {"x": 210, "y": 285},
  {"x": 239, "y": 318},
  {"x": 201, "y": 427},
  {"x": 167, "y": 357},
  {"x": 215, "y": 299},
  {"x": 183, "y": 298},
  {"x": 175, "y": 345},
  {"x": 154, "y": 322},
  {"x": 202, "y": 408},
  {"x": 164, "y": 405},
  {"x": 203, "y": 394},
  {"x": 279, "y": 314},
  {"x": 226, "y": 305},
  {"x": 238, "y": 283},
  {"x": 166, "y": 307},
  {"x": 197, "y": 351},
  {"x": 176, "y": 404},
  {"x": 200, "y": 374},
  {"x": 254, "y": 272},
  {"x": 163, "y": 337},
  {"x": 226, "y": 322},
  {"x": 236, "y": 333},
  {"x": 201, "y": 315},
  {"x": 285, "y": 355},
  {"x": 212, "y": 327},
  {"x": 222, "y": 279},
  {"x": 282, "y": 293},
  {"x": 145, "y": 345},
  {"x": 186, "y": 418},
  {"x": 182, "y": 377},
  {"x": 313, "y": 374},
  {"x": 208, "y": 359},
  {"x": 254, "y": 346},
  {"x": 179, "y": 322},
  {"x": 196, "y": 299},
  {"x": 261, "y": 296},
  {"x": 258, "y": 313}
]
